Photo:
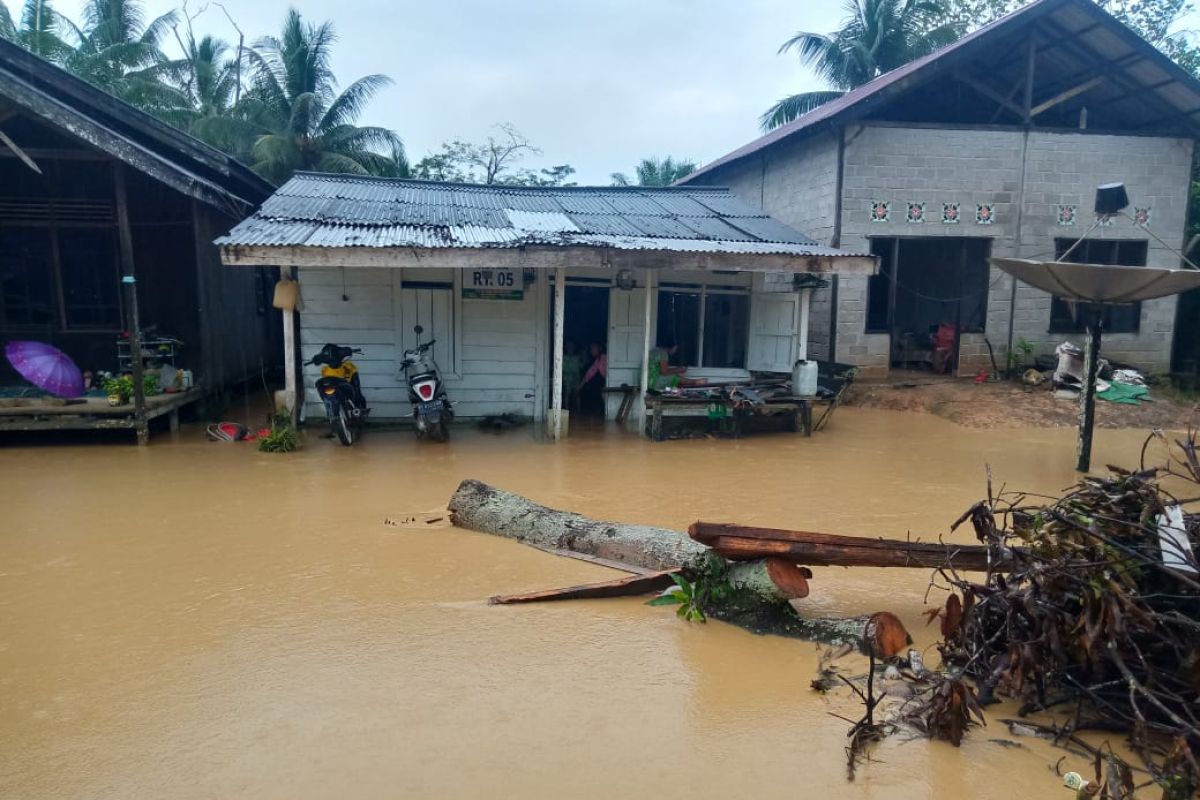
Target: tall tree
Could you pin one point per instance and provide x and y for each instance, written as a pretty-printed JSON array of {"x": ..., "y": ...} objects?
[
  {"x": 296, "y": 118},
  {"x": 491, "y": 161},
  {"x": 657, "y": 172},
  {"x": 118, "y": 50},
  {"x": 877, "y": 36},
  {"x": 38, "y": 29}
]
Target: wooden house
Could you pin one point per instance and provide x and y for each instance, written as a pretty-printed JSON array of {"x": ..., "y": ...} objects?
[
  {"x": 502, "y": 275},
  {"x": 99, "y": 200}
]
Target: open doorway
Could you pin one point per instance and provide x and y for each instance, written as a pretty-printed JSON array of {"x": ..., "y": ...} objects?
[
  {"x": 585, "y": 340},
  {"x": 929, "y": 291}
]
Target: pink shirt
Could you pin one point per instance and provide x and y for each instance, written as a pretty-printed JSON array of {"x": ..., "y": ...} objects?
[{"x": 599, "y": 366}]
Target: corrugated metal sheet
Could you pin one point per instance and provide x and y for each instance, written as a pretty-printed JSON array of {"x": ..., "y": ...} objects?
[{"x": 319, "y": 210}]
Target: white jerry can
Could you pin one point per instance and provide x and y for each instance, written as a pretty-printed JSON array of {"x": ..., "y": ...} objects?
[{"x": 804, "y": 379}]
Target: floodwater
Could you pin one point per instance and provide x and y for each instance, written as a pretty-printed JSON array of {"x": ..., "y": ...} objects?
[{"x": 198, "y": 620}]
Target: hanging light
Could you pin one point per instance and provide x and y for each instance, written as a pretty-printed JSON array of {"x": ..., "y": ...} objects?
[{"x": 1111, "y": 198}]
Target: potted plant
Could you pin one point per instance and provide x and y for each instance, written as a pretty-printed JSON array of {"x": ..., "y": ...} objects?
[{"x": 119, "y": 390}]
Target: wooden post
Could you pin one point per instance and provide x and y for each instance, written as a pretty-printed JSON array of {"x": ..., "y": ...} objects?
[
  {"x": 289, "y": 352},
  {"x": 556, "y": 389},
  {"x": 802, "y": 334},
  {"x": 646, "y": 345},
  {"x": 1087, "y": 397},
  {"x": 129, "y": 284}
]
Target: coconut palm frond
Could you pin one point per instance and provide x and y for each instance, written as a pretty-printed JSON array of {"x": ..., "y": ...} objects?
[
  {"x": 794, "y": 107},
  {"x": 353, "y": 100}
]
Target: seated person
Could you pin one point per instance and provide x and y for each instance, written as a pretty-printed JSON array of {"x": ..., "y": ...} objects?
[{"x": 664, "y": 375}]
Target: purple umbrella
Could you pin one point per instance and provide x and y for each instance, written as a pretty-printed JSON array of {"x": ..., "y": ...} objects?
[{"x": 45, "y": 367}]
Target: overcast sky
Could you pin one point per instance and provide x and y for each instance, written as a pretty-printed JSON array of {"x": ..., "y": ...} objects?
[{"x": 598, "y": 85}]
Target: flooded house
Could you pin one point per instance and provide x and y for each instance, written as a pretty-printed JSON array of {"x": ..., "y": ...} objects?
[
  {"x": 508, "y": 279},
  {"x": 99, "y": 200},
  {"x": 991, "y": 147}
]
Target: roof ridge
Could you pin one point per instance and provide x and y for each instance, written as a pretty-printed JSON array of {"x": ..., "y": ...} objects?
[{"x": 499, "y": 187}]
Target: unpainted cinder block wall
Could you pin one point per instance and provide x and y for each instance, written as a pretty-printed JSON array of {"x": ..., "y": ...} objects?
[{"x": 796, "y": 183}]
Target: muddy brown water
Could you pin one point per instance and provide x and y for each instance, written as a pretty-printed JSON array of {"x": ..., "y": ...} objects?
[{"x": 198, "y": 620}]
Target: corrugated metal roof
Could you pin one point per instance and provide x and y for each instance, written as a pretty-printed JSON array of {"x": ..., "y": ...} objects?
[
  {"x": 323, "y": 210},
  {"x": 1092, "y": 29}
]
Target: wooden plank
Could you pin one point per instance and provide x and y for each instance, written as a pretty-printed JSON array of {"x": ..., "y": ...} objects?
[
  {"x": 740, "y": 543},
  {"x": 629, "y": 586},
  {"x": 1067, "y": 95}
]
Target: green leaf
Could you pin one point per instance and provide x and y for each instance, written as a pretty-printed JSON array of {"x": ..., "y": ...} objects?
[{"x": 665, "y": 600}]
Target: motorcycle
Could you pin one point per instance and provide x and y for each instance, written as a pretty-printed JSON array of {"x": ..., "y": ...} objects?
[
  {"x": 341, "y": 391},
  {"x": 432, "y": 412}
]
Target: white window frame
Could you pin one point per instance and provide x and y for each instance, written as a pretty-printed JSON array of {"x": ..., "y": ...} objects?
[{"x": 704, "y": 290}]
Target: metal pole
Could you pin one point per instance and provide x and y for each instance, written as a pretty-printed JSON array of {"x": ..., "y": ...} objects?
[
  {"x": 646, "y": 344},
  {"x": 129, "y": 284},
  {"x": 1087, "y": 397},
  {"x": 556, "y": 389}
]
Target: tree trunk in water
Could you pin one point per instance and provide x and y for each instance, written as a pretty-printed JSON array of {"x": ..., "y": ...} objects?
[{"x": 484, "y": 508}]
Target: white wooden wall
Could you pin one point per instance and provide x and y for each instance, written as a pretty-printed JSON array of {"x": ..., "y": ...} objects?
[
  {"x": 489, "y": 350},
  {"x": 494, "y": 354}
]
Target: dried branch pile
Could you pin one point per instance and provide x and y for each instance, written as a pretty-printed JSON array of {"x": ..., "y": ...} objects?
[{"x": 1100, "y": 615}]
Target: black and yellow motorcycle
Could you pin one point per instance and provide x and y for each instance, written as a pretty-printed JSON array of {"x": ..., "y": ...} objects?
[{"x": 341, "y": 391}]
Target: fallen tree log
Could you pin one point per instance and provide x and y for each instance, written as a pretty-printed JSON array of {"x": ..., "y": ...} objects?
[
  {"x": 740, "y": 543},
  {"x": 484, "y": 508}
]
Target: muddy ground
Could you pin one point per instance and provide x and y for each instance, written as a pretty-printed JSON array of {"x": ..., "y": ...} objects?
[{"x": 1011, "y": 405}]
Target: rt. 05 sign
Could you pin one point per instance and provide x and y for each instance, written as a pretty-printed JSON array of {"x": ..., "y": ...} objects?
[{"x": 493, "y": 284}]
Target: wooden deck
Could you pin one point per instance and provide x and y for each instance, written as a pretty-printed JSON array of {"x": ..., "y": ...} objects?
[{"x": 92, "y": 413}]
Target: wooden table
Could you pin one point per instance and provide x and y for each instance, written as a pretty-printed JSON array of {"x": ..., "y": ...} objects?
[{"x": 658, "y": 406}]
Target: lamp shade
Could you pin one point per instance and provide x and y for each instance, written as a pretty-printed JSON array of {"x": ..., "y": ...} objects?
[{"x": 1111, "y": 198}]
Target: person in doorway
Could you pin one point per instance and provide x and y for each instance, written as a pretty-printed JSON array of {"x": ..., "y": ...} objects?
[
  {"x": 944, "y": 339},
  {"x": 572, "y": 375},
  {"x": 591, "y": 388},
  {"x": 664, "y": 374}
]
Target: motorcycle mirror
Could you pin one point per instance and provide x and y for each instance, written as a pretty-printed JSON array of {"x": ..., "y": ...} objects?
[{"x": 418, "y": 330}]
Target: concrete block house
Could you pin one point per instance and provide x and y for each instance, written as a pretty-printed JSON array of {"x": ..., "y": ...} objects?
[{"x": 992, "y": 147}]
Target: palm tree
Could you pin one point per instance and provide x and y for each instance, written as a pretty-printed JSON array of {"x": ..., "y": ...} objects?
[
  {"x": 876, "y": 37},
  {"x": 657, "y": 172},
  {"x": 119, "y": 51},
  {"x": 37, "y": 29},
  {"x": 299, "y": 121}
]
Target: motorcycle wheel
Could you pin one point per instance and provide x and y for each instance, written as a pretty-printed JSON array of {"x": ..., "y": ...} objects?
[
  {"x": 440, "y": 432},
  {"x": 341, "y": 427}
]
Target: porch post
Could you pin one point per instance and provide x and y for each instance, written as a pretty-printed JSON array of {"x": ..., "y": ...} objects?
[
  {"x": 556, "y": 388},
  {"x": 802, "y": 334},
  {"x": 129, "y": 284},
  {"x": 646, "y": 345},
  {"x": 289, "y": 351}
]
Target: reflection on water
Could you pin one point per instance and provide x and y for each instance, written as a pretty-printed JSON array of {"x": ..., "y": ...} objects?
[{"x": 199, "y": 620}]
